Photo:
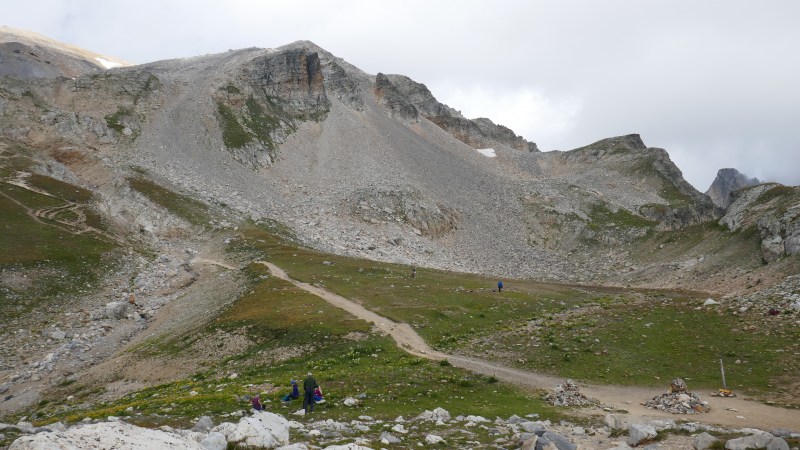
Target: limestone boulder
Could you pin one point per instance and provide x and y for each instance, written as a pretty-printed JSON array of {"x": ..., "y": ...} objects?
[
  {"x": 106, "y": 435},
  {"x": 262, "y": 429},
  {"x": 638, "y": 433}
]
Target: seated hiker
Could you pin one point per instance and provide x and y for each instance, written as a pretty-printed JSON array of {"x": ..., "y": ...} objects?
[
  {"x": 256, "y": 401},
  {"x": 295, "y": 394},
  {"x": 318, "y": 397}
]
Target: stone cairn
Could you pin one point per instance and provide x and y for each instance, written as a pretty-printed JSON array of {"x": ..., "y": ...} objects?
[
  {"x": 568, "y": 394},
  {"x": 678, "y": 400}
]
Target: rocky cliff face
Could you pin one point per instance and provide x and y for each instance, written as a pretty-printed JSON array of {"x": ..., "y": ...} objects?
[
  {"x": 773, "y": 211},
  {"x": 260, "y": 107},
  {"x": 725, "y": 184},
  {"x": 409, "y": 99},
  {"x": 628, "y": 161},
  {"x": 371, "y": 166}
]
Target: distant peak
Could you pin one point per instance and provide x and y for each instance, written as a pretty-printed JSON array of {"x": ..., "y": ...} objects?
[
  {"x": 8, "y": 34},
  {"x": 305, "y": 44},
  {"x": 728, "y": 181}
]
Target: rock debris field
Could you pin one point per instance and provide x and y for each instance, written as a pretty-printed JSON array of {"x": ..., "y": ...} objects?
[{"x": 431, "y": 428}]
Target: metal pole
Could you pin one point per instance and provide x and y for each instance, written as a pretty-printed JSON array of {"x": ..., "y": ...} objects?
[{"x": 722, "y": 369}]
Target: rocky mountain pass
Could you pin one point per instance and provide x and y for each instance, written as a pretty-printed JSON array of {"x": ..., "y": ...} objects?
[{"x": 182, "y": 226}]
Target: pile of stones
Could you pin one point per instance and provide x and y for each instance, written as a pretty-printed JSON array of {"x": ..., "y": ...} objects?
[
  {"x": 678, "y": 400},
  {"x": 568, "y": 394}
]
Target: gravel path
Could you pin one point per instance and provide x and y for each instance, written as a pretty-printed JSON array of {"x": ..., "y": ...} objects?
[{"x": 730, "y": 412}]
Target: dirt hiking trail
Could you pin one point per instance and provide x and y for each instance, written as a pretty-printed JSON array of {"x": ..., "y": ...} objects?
[{"x": 729, "y": 412}]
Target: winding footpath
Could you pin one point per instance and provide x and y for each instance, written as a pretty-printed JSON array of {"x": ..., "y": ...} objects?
[{"x": 729, "y": 412}]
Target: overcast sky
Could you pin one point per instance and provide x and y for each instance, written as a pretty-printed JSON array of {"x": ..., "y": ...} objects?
[{"x": 715, "y": 83}]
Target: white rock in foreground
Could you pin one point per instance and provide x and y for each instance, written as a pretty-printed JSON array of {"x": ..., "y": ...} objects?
[
  {"x": 350, "y": 446},
  {"x": 435, "y": 415},
  {"x": 105, "y": 435},
  {"x": 262, "y": 429},
  {"x": 640, "y": 432},
  {"x": 433, "y": 439}
]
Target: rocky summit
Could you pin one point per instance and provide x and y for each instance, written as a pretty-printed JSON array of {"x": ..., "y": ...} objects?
[
  {"x": 138, "y": 203},
  {"x": 725, "y": 184}
]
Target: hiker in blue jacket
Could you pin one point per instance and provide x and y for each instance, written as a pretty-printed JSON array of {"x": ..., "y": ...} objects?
[
  {"x": 500, "y": 286},
  {"x": 292, "y": 395}
]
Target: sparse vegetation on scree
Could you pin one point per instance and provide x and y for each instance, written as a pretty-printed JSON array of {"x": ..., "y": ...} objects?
[
  {"x": 593, "y": 334},
  {"x": 40, "y": 245},
  {"x": 601, "y": 335},
  {"x": 293, "y": 332},
  {"x": 185, "y": 207}
]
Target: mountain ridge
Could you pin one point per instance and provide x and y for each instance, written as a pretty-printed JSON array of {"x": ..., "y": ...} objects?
[
  {"x": 138, "y": 201},
  {"x": 299, "y": 115},
  {"x": 24, "y": 54}
]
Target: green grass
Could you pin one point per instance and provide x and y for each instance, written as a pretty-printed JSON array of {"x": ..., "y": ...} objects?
[
  {"x": 628, "y": 337},
  {"x": 193, "y": 211},
  {"x": 25, "y": 240},
  {"x": 552, "y": 328},
  {"x": 233, "y": 133},
  {"x": 114, "y": 120},
  {"x": 649, "y": 342},
  {"x": 444, "y": 307},
  {"x": 783, "y": 197},
  {"x": 60, "y": 189},
  {"x": 258, "y": 123},
  {"x": 777, "y": 191},
  {"x": 262, "y": 123},
  {"x": 57, "y": 262},
  {"x": 277, "y": 317},
  {"x": 50, "y": 262}
]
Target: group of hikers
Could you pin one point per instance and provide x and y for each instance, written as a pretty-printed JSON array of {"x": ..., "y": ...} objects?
[{"x": 312, "y": 394}]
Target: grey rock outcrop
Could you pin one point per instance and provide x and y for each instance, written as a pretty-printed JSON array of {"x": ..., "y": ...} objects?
[
  {"x": 394, "y": 100},
  {"x": 263, "y": 105},
  {"x": 116, "y": 310},
  {"x": 408, "y": 99},
  {"x": 680, "y": 205},
  {"x": 403, "y": 205},
  {"x": 725, "y": 184},
  {"x": 774, "y": 211},
  {"x": 640, "y": 432},
  {"x": 389, "y": 438},
  {"x": 438, "y": 414},
  {"x": 777, "y": 443},
  {"x": 703, "y": 441},
  {"x": 504, "y": 135},
  {"x": 559, "y": 441},
  {"x": 759, "y": 440},
  {"x": 615, "y": 422},
  {"x": 203, "y": 425}
]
